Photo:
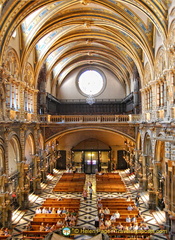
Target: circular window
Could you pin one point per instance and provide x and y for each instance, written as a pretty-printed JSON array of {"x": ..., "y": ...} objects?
[{"x": 91, "y": 82}]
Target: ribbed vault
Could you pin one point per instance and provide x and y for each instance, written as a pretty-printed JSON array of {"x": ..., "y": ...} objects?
[{"x": 68, "y": 34}]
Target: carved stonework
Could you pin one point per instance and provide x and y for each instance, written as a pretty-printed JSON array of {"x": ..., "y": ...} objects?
[
  {"x": 29, "y": 75},
  {"x": 125, "y": 129},
  {"x": 160, "y": 62},
  {"x": 12, "y": 64},
  {"x": 147, "y": 74}
]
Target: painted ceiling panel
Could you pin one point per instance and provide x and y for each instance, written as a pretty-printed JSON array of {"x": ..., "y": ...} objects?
[{"x": 67, "y": 34}]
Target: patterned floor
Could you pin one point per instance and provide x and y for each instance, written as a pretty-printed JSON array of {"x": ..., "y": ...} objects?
[{"x": 88, "y": 209}]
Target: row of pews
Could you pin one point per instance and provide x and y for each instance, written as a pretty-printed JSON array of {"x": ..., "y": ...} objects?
[
  {"x": 42, "y": 219},
  {"x": 70, "y": 182},
  {"x": 110, "y": 182},
  {"x": 120, "y": 205}
]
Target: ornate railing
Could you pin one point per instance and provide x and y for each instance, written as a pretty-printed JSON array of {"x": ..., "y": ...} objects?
[{"x": 90, "y": 118}]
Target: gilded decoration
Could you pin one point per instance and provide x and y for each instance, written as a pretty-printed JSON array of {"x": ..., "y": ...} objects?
[{"x": 29, "y": 75}]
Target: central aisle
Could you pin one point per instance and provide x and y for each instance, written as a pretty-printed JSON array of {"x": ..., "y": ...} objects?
[{"x": 88, "y": 209}]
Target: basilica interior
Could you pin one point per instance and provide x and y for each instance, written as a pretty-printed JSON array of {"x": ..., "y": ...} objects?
[{"x": 87, "y": 87}]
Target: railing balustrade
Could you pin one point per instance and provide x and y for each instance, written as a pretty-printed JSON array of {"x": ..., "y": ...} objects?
[{"x": 90, "y": 118}]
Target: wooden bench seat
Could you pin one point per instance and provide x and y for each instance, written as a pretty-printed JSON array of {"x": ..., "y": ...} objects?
[
  {"x": 48, "y": 215},
  {"x": 50, "y": 218},
  {"x": 61, "y": 205},
  {"x": 57, "y": 189},
  {"x": 56, "y": 206},
  {"x": 110, "y": 190},
  {"x": 123, "y": 220},
  {"x": 134, "y": 234},
  {"x": 35, "y": 233},
  {"x": 38, "y": 223},
  {"x": 116, "y": 206},
  {"x": 124, "y": 211},
  {"x": 116, "y": 200},
  {"x": 122, "y": 215},
  {"x": 120, "y": 204},
  {"x": 46, "y": 220},
  {"x": 123, "y": 208},
  {"x": 63, "y": 200},
  {"x": 4, "y": 236},
  {"x": 110, "y": 183},
  {"x": 36, "y": 227},
  {"x": 70, "y": 183},
  {"x": 114, "y": 238}
]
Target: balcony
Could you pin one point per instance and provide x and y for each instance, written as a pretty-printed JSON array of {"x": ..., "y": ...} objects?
[{"x": 69, "y": 119}]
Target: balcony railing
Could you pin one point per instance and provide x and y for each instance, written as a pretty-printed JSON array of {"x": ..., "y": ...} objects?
[{"x": 90, "y": 119}]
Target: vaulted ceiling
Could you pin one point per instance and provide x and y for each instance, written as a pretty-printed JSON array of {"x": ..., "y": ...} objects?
[{"x": 114, "y": 34}]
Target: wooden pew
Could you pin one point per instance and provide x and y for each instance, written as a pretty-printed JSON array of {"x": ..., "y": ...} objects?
[
  {"x": 113, "y": 238},
  {"x": 62, "y": 200},
  {"x": 34, "y": 234},
  {"x": 110, "y": 183},
  {"x": 115, "y": 200},
  {"x": 46, "y": 205},
  {"x": 70, "y": 183},
  {"x": 4, "y": 236}
]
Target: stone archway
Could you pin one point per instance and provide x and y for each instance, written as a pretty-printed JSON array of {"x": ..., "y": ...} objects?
[
  {"x": 13, "y": 154},
  {"x": 40, "y": 144},
  {"x": 2, "y": 160},
  {"x": 14, "y": 158},
  {"x": 29, "y": 148},
  {"x": 30, "y": 159}
]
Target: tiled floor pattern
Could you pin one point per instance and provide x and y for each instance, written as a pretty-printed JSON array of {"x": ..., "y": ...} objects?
[{"x": 88, "y": 209}]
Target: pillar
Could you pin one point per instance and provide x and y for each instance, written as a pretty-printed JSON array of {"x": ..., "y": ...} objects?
[
  {"x": 152, "y": 199},
  {"x": 23, "y": 190}
]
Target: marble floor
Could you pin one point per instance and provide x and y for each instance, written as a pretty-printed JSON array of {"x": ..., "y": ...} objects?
[{"x": 88, "y": 209}]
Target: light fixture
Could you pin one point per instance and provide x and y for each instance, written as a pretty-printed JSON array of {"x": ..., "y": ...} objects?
[{"x": 90, "y": 99}]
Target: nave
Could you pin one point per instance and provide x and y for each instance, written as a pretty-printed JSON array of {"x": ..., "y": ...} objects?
[{"x": 88, "y": 210}]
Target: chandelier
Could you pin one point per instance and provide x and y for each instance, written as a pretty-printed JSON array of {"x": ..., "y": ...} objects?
[{"x": 90, "y": 99}]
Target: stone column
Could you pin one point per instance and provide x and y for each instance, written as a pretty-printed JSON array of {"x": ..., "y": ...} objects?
[
  {"x": 5, "y": 208},
  {"x": 21, "y": 100},
  {"x": 35, "y": 105},
  {"x": 37, "y": 174},
  {"x": 36, "y": 160},
  {"x": 23, "y": 190},
  {"x": 144, "y": 180},
  {"x": 44, "y": 168},
  {"x": 152, "y": 199},
  {"x": 8, "y": 95}
]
